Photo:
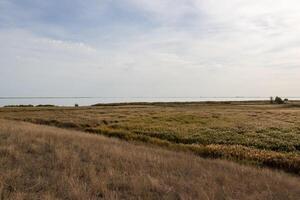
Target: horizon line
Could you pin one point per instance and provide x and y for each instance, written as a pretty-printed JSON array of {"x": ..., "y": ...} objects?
[{"x": 136, "y": 97}]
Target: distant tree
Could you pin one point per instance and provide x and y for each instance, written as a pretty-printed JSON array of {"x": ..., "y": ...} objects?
[
  {"x": 271, "y": 100},
  {"x": 286, "y": 100},
  {"x": 76, "y": 105},
  {"x": 278, "y": 100}
]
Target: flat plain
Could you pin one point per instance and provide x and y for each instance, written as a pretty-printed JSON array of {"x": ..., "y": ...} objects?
[{"x": 256, "y": 133}]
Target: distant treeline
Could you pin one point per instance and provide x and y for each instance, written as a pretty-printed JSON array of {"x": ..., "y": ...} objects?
[
  {"x": 181, "y": 103},
  {"x": 29, "y": 105}
]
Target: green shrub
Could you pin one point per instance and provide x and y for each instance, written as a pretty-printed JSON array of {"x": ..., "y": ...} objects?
[{"x": 278, "y": 100}]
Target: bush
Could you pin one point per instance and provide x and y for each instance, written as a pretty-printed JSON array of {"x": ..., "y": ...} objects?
[{"x": 278, "y": 100}]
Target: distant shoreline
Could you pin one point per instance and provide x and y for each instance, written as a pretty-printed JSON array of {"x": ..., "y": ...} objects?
[
  {"x": 178, "y": 103},
  {"x": 141, "y": 97},
  {"x": 88, "y": 101}
]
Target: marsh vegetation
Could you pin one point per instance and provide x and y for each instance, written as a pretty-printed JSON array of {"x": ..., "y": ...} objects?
[{"x": 253, "y": 133}]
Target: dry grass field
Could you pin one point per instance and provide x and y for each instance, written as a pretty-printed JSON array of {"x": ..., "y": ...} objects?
[
  {"x": 253, "y": 132},
  {"x": 42, "y": 162}
]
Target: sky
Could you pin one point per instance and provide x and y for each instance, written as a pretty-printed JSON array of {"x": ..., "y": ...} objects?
[{"x": 157, "y": 48}]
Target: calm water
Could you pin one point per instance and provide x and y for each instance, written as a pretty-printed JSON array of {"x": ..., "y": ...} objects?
[{"x": 86, "y": 101}]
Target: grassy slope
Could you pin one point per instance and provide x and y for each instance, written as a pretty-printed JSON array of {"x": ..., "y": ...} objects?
[
  {"x": 50, "y": 163},
  {"x": 263, "y": 134}
]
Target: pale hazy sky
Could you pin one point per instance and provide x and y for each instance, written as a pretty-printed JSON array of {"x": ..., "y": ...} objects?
[{"x": 149, "y": 48}]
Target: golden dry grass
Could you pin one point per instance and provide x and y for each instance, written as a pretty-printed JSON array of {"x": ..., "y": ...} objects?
[{"x": 39, "y": 162}]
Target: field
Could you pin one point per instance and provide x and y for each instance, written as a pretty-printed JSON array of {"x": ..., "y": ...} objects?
[
  {"x": 42, "y": 162},
  {"x": 252, "y": 132}
]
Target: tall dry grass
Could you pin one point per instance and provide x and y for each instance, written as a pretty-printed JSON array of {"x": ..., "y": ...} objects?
[{"x": 39, "y": 162}]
